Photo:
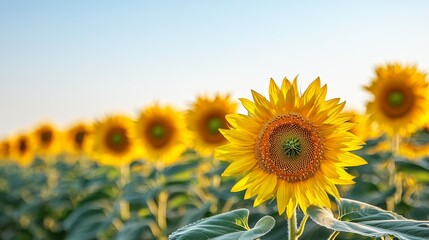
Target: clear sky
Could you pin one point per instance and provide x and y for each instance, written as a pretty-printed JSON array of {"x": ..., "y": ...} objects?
[{"x": 69, "y": 60}]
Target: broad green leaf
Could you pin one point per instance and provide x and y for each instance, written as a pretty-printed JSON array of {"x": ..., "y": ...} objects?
[
  {"x": 227, "y": 226},
  {"x": 367, "y": 220}
]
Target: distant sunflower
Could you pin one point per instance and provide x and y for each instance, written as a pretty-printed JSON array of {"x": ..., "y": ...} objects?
[
  {"x": 47, "y": 140},
  {"x": 113, "y": 142},
  {"x": 77, "y": 138},
  {"x": 364, "y": 128},
  {"x": 5, "y": 149},
  {"x": 400, "y": 98},
  {"x": 205, "y": 118},
  {"x": 293, "y": 147},
  {"x": 161, "y": 133},
  {"x": 414, "y": 151},
  {"x": 23, "y": 149}
]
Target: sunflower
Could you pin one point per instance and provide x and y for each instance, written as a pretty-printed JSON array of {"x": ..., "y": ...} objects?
[
  {"x": 77, "y": 138},
  {"x": 293, "y": 147},
  {"x": 400, "y": 98},
  {"x": 205, "y": 118},
  {"x": 47, "y": 140},
  {"x": 364, "y": 128},
  {"x": 113, "y": 142},
  {"x": 4, "y": 149},
  {"x": 161, "y": 133},
  {"x": 22, "y": 149}
]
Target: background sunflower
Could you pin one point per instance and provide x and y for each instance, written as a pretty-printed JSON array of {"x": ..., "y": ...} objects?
[
  {"x": 48, "y": 140},
  {"x": 4, "y": 149},
  {"x": 113, "y": 140},
  {"x": 23, "y": 149},
  {"x": 400, "y": 98},
  {"x": 204, "y": 119},
  {"x": 161, "y": 133},
  {"x": 77, "y": 139}
]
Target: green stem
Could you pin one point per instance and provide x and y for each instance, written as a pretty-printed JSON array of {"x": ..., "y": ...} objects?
[
  {"x": 333, "y": 235},
  {"x": 124, "y": 206},
  {"x": 302, "y": 226},
  {"x": 396, "y": 140},
  {"x": 292, "y": 227}
]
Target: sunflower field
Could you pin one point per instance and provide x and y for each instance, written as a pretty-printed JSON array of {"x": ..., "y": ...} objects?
[{"x": 295, "y": 165}]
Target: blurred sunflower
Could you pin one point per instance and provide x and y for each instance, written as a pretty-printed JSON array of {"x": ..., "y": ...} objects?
[
  {"x": 77, "y": 138},
  {"x": 205, "y": 118},
  {"x": 293, "y": 147},
  {"x": 23, "y": 149},
  {"x": 47, "y": 140},
  {"x": 113, "y": 142},
  {"x": 4, "y": 149},
  {"x": 364, "y": 128},
  {"x": 400, "y": 98},
  {"x": 161, "y": 133}
]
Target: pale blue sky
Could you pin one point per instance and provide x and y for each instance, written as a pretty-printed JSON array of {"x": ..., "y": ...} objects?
[{"x": 69, "y": 60}]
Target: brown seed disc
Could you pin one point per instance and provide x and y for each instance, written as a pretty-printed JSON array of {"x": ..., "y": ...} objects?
[
  {"x": 399, "y": 109},
  {"x": 22, "y": 146},
  {"x": 116, "y": 140},
  {"x": 159, "y": 133},
  {"x": 209, "y": 127},
  {"x": 273, "y": 148}
]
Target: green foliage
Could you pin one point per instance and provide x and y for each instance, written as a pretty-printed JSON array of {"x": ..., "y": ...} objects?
[
  {"x": 367, "y": 220},
  {"x": 228, "y": 226},
  {"x": 82, "y": 200}
]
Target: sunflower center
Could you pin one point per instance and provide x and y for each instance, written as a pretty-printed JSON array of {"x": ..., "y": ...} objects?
[
  {"x": 46, "y": 137},
  {"x": 158, "y": 131},
  {"x": 117, "y": 140},
  {"x": 79, "y": 138},
  {"x": 209, "y": 125},
  {"x": 22, "y": 146},
  {"x": 398, "y": 102},
  {"x": 291, "y": 147},
  {"x": 213, "y": 125},
  {"x": 396, "y": 98}
]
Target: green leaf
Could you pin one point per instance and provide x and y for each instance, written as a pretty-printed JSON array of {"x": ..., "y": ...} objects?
[
  {"x": 367, "y": 220},
  {"x": 227, "y": 226}
]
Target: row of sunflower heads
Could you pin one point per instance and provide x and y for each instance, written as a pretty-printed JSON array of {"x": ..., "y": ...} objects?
[
  {"x": 160, "y": 134},
  {"x": 398, "y": 108}
]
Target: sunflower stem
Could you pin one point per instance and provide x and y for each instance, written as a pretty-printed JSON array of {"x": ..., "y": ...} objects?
[
  {"x": 302, "y": 226},
  {"x": 292, "y": 227},
  {"x": 124, "y": 179},
  {"x": 162, "y": 213},
  {"x": 333, "y": 235},
  {"x": 396, "y": 140}
]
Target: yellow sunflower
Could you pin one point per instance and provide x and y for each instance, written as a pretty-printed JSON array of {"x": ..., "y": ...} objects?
[
  {"x": 205, "y": 118},
  {"x": 77, "y": 138},
  {"x": 412, "y": 151},
  {"x": 364, "y": 128},
  {"x": 161, "y": 133},
  {"x": 5, "y": 149},
  {"x": 400, "y": 98},
  {"x": 47, "y": 140},
  {"x": 23, "y": 149},
  {"x": 113, "y": 140},
  {"x": 293, "y": 147}
]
